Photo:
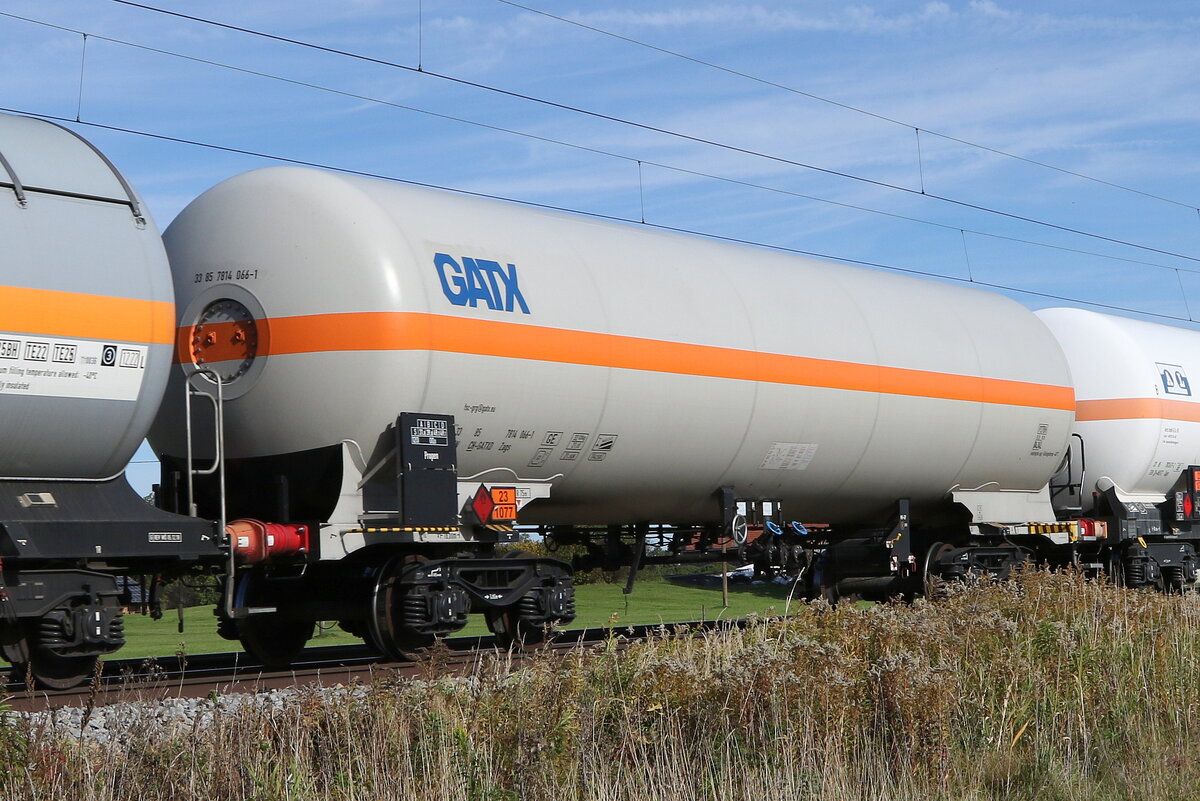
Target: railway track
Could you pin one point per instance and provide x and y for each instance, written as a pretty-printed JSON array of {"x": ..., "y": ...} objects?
[{"x": 202, "y": 675}]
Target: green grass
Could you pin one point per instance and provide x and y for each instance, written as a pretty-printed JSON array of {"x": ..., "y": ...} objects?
[
  {"x": 657, "y": 601},
  {"x": 652, "y": 601}
]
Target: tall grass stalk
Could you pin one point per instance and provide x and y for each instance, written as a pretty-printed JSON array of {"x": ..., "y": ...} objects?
[{"x": 1046, "y": 687}]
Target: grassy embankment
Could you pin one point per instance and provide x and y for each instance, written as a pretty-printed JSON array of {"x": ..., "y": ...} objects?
[{"x": 1048, "y": 687}]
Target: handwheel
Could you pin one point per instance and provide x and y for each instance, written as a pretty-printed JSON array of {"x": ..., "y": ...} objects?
[{"x": 272, "y": 639}]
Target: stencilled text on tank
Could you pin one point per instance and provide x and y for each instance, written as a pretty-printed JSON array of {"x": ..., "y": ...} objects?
[
  {"x": 473, "y": 438},
  {"x": 1039, "y": 442},
  {"x": 573, "y": 446},
  {"x": 211, "y": 276},
  {"x": 59, "y": 367},
  {"x": 542, "y": 446},
  {"x": 515, "y": 436},
  {"x": 479, "y": 408},
  {"x": 482, "y": 439},
  {"x": 1164, "y": 468},
  {"x": 789, "y": 456}
]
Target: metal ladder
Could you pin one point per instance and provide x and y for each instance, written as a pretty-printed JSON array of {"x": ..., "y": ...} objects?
[
  {"x": 217, "y": 399},
  {"x": 1072, "y": 487}
]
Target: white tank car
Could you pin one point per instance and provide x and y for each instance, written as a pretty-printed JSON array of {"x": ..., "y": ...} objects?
[
  {"x": 86, "y": 308},
  {"x": 1138, "y": 414},
  {"x": 639, "y": 370}
]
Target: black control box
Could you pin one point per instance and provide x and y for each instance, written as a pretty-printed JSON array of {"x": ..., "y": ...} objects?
[{"x": 428, "y": 471}]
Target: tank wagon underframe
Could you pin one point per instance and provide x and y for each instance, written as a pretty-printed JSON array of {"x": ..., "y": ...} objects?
[
  {"x": 414, "y": 556},
  {"x": 1136, "y": 544}
]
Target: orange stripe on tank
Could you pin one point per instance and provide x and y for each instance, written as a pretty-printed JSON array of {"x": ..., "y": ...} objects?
[
  {"x": 1138, "y": 409},
  {"x": 47, "y": 312},
  {"x": 419, "y": 331}
]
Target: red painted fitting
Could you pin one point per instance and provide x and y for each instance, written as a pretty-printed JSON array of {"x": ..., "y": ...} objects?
[{"x": 255, "y": 541}]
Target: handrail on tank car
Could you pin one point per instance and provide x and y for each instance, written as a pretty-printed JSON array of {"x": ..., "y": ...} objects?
[
  {"x": 218, "y": 465},
  {"x": 1071, "y": 486},
  {"x": 17, "y": 187},
  {"x": 131, "y": 197}
]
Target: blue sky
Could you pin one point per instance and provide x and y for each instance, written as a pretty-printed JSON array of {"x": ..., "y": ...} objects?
[{"x": 1107, "y": 90}]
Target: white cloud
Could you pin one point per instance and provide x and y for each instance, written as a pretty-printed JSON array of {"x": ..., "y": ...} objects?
[
  {"x": 854, "y": 18},
  {"x": 876, "y": 19}
]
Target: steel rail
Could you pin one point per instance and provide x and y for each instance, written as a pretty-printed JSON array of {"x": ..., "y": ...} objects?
[{"x": 153, "y": 679}]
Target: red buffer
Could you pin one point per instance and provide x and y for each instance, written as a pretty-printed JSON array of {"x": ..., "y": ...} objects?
[{"x": 255, "y": 541}]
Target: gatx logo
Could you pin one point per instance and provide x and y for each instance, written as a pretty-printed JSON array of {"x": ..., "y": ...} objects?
[{"x": 480, "y": 280}]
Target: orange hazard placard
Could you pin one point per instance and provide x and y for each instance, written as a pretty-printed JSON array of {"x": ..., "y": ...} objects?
[
  {"x": 504, "y": 511},
  {"x": 505, "y": 499}
]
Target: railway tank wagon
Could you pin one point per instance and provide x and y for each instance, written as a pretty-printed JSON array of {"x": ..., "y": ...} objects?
[
  {"x": 86, "y": 335},
  {"x": 612, "y": 376},
  {"x": 1137, "y": 431}
]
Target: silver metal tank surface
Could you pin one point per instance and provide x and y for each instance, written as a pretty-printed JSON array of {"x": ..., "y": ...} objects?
[
  {"x": 1138, "y": 410},
  {"x": 86, "y": 308},
  {"x": 642, "y": 368}
]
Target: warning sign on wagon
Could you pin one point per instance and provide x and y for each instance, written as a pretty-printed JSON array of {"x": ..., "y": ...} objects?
[
  {"x": 789, "y": 455},
  {"x": 59, "y": 367}
]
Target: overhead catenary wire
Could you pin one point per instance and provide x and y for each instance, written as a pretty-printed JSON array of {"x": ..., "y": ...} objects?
[
  {"x": 640, "y": 163},
  {"x": 82, "y": 69},
  {"x": 721, "y": 178},
  {"x": 595, "y": 215},
  {"x": 653, "y": 128},
  {"x": 848, "y": 107}
]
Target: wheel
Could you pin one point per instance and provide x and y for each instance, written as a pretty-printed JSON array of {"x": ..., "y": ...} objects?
[
  {"x": 933, "y": 584},
  {"x": 828, "y": 593},
  {"x": 14, "y": 647},
  {"x": 510, "y": 631},
  {"x": 269, "y": 637},
  {"x": 274, "y": 641},
  {"x": 509, "y": 628},
  {"x": 1027, "y": 560},
  {"x": 817, "y": 586},
  {"x": 50, "y": 671},
  {"x": 386, "y": 631},
  {"x": 1116, "y": 568},
  {"x": 1172, "y": 578}
]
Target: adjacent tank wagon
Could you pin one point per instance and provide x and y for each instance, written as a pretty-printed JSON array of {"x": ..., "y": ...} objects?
[
  {"x": 1137, "y": 414},
  {"x": 89, "y": 318},
  {"x": 86, "y": 341}
]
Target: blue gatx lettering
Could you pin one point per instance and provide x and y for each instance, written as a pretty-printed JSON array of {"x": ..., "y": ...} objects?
[{"x": 478, "y": 280}]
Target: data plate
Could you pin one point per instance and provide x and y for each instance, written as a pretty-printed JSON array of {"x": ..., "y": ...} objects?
[{"x": 60, "y": 367}]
